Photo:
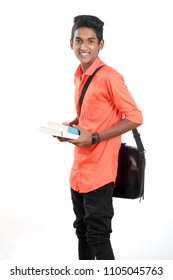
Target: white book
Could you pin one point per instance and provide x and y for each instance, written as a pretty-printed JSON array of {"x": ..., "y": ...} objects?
[{"x": 60, "y": 130}]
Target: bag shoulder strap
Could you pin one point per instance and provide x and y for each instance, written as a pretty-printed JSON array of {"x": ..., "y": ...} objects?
[
  {"x": 86, "y": 86},
  {"x": 138, "y": 140}
]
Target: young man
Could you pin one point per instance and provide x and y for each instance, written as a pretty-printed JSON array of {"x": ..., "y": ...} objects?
[{"x": 108, "y": 111}]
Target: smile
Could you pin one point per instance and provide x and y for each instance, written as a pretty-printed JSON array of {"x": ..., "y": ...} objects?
[{"x": 84, "y": 54}]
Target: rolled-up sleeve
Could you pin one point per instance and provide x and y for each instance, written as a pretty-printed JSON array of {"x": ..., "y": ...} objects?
[{"x": 123, "y": 100}]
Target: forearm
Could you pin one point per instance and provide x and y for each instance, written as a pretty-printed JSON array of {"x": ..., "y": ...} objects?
[
  {"x": 118, "y": 129},
  {"x": 87, "y": 138}
]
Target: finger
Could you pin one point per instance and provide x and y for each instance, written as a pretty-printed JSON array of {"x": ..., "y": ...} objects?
[
  {"x": 61, "y": 139},
  {"x": 65, "y": 123}
]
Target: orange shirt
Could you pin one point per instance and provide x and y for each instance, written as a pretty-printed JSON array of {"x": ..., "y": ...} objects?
[{"x": 106, "y": 101}]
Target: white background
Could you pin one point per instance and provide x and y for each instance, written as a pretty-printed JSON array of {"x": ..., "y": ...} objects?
[{"x": 36, "y": 86}]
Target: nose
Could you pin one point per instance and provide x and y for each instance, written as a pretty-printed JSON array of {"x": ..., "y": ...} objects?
[{"x": 83, "y": 46}]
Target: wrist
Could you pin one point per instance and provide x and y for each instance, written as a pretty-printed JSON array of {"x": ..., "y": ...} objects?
[{"x": 95, "y": 138}]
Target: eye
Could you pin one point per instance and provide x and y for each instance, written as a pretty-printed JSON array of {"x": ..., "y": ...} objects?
[
  {"x": 77, "y": 41},
  {"x": 91, "y": 41}
]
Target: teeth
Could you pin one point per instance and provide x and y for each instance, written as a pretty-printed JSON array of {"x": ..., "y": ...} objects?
[{"x": 84, "y": 54}]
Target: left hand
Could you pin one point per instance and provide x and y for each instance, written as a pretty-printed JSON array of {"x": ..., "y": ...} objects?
[{"x": 84, "y": 139}]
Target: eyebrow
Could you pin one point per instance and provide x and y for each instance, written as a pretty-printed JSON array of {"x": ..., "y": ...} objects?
[{"x": 90, "y": 38}]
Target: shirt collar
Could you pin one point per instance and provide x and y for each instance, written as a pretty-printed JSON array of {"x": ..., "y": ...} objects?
[{"x": 97, "y": 62}]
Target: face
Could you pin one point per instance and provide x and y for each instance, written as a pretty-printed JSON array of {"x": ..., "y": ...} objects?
[{"x": 86, "y": 46}]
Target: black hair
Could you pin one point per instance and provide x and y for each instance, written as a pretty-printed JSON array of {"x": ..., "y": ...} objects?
[{"x": 88, "y": 21}]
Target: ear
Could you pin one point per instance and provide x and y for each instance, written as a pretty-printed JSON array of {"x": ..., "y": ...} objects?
[
  {"x": 101, "y": 45},
  {"x": 71, "y": 44}
]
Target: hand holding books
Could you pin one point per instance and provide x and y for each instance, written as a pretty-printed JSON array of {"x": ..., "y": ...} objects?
[
  {"x": 61, "y": 131},
  {"x": 74, "y": 135}
]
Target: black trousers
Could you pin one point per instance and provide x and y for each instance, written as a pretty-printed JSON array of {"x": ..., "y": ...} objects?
[{"x": 94, "y": 212}]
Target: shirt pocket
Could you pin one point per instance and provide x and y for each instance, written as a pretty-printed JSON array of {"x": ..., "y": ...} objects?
[{"x": 93, "y": 107}]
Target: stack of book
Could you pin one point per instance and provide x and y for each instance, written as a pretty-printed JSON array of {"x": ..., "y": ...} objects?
[{"x": 60, "y": 130}]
